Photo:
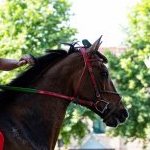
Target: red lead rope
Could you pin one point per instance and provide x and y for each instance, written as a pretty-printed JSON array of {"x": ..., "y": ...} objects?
[{"x": 48, "y": 93}]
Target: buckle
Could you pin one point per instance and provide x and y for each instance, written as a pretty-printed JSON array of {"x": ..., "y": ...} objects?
[{"x": 98, "y": 103}]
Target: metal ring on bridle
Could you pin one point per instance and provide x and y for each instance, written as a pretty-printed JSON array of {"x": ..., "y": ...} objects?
[{"x": 105, "y": 108}]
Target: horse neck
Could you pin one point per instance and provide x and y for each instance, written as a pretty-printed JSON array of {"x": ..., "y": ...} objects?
[
  {"x": 58, "y": 79},
  {"x": 43, "y": 115}
]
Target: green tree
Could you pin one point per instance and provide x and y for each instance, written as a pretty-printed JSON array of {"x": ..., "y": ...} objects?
[
  {"x": 75, "y": 123},
  {"x": 31, "y": 26},
  {"x": 132, "y": 76}
]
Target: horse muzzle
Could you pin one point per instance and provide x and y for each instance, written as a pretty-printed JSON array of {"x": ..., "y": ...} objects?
[{"x": 116, "y": 118}]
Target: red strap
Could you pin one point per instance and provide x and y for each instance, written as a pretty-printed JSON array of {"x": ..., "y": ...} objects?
[
  {"x": 1, "y": 141},
  {"x": 62, "y": 96},
  {"x": 90, "y": 69}
]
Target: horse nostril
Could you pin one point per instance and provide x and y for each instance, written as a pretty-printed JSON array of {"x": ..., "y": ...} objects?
[
  {"x": 125, "y": 113},
  {"x": 122, "y": 115}
]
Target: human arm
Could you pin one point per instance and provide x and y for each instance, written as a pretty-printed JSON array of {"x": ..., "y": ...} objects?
[{"x": 10, "y": 64}]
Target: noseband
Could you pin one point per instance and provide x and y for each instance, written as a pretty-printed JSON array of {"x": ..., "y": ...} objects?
[{"x": 94, "y": 104}]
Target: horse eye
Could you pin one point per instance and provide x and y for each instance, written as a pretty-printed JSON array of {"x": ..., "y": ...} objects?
[{"x": 104, "y": 74}]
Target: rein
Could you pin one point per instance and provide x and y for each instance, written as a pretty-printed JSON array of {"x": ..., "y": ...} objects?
[
  {"x": 44, "y": 92},
  {"x": 75, "y": 99}
]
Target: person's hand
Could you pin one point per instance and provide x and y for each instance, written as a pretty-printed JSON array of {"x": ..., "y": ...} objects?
[{"x": 26, "y": 59}]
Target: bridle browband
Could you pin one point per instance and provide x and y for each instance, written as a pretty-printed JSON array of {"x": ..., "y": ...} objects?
[{"x": 74, "y": 98}]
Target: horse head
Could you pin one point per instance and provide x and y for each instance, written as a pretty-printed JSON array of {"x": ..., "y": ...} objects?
[{"x": 96, "y": 86}]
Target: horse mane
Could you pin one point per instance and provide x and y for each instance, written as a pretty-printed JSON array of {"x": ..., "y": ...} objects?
[
  {"x": 29, "y": 76},
  {"x": 41, "y": 63}
]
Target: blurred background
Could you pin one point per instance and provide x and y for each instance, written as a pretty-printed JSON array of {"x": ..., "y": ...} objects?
[{"x": 32, "y": 26}]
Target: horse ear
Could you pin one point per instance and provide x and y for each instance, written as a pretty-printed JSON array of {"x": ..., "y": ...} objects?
[{"x": 95, "y": 46}]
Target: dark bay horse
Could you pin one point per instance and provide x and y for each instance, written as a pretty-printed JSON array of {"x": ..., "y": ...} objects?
[{"x": 32, "y": 121}]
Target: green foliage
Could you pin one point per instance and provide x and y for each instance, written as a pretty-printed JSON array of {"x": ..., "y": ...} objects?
[
  {"x": 31, "y": 26},
  {"x": 139, "y": 35},
  {"x": 75, "y": 123},
  {"x": 132, "y": 76}
]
